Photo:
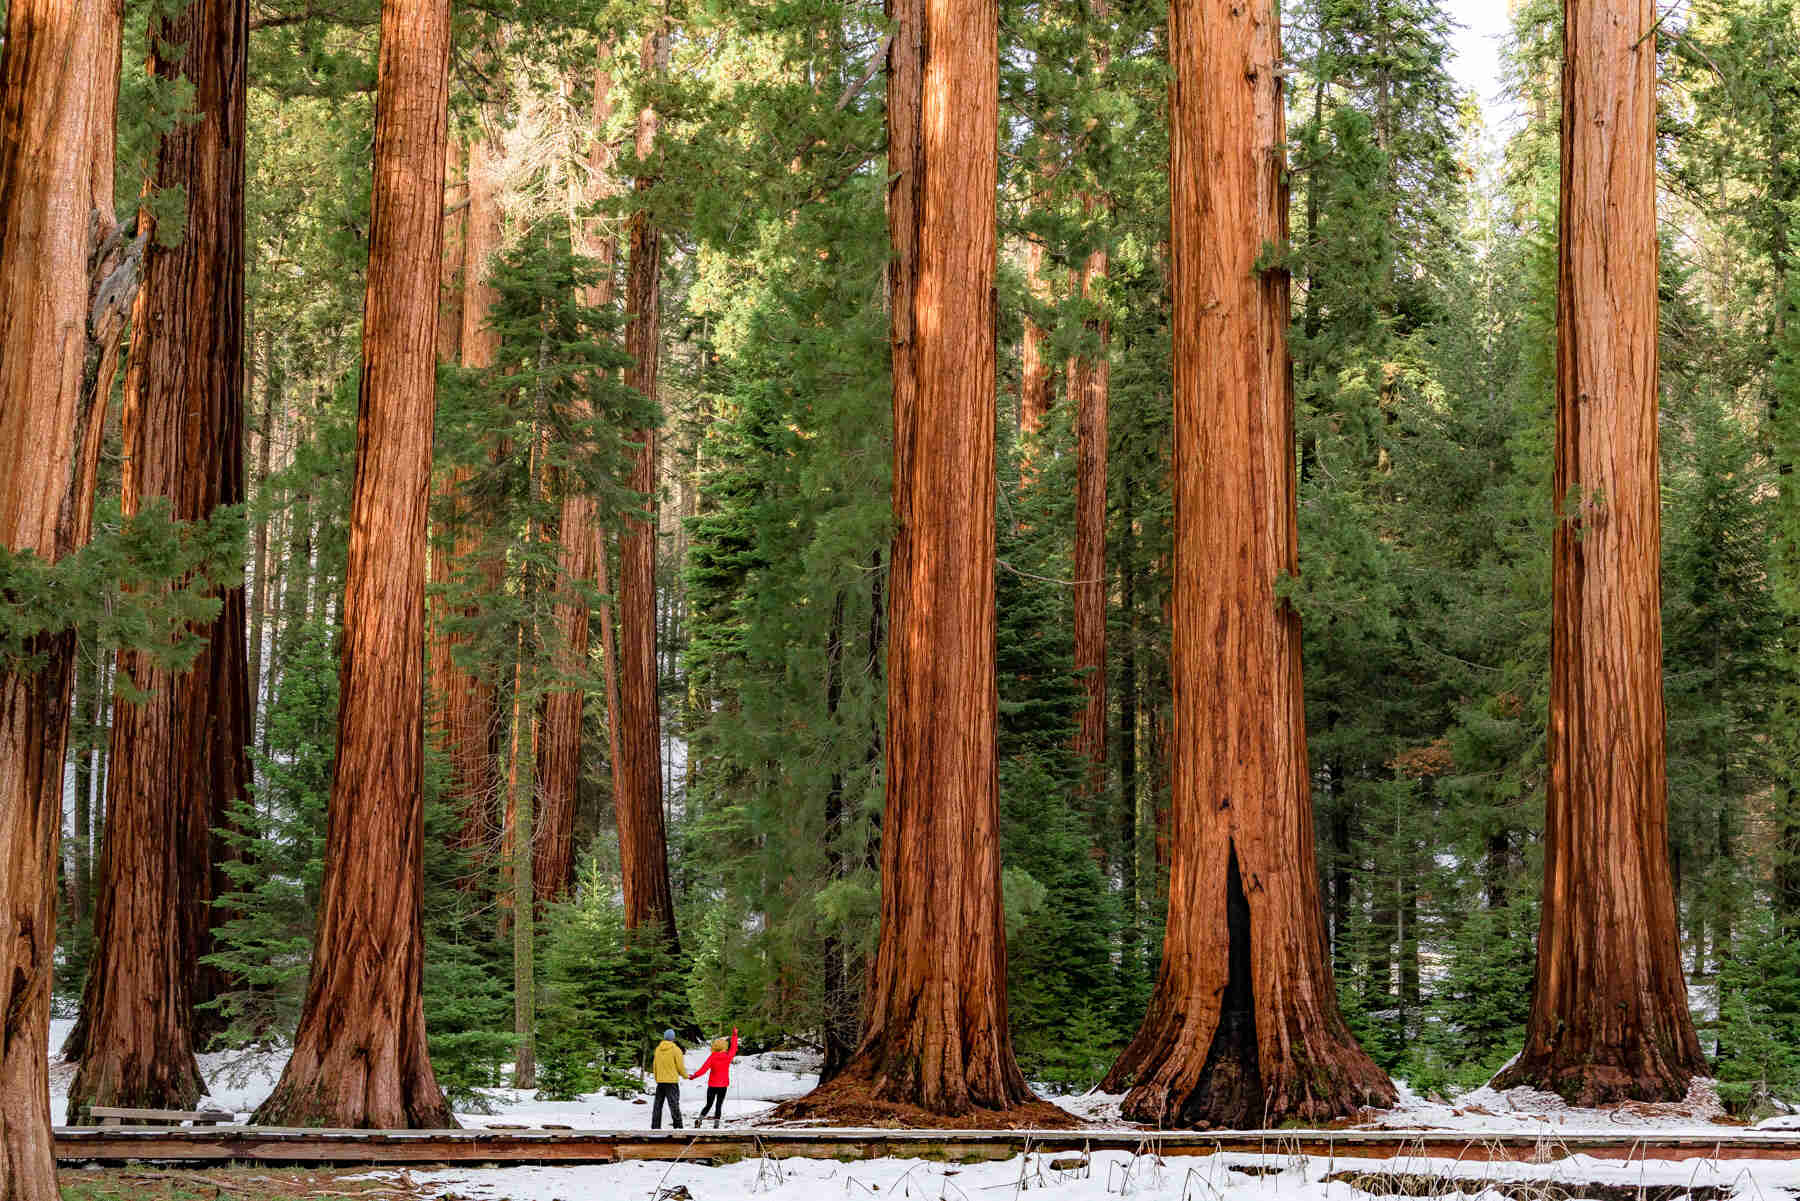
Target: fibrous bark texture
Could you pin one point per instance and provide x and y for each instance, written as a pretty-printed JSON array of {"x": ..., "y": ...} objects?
[
  {"x": 1243, "y": 1028},
  {"x": 177, "y": 763},
  {"x": 440, "y": 663},
  {"x": 643, "y": 843},
  {"x": 936, "y": 1036},
  {"x": 1609, "y": 1015},
  {"x": 470, "y": 706},
  {"x": 58, "y": 90},
  {"x": 559, "y": 749},
  {"x": 1089, "y": 390},
  {"x": 359, "y": 1054}
]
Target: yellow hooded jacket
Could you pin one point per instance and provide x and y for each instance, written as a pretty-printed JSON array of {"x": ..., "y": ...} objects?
[{"x": 671, "y": 1065}]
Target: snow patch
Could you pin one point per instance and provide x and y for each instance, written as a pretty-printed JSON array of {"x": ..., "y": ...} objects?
[
  {"x": 1490, "y": 1110},
  {"x": 1226, "y": 1177}
]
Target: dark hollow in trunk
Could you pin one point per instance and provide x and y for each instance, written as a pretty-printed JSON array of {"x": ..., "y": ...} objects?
[{"x": 1239, "y": 794}]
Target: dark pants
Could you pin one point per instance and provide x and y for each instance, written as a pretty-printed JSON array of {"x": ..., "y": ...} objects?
[
  {"x": 715, "y": 1105},
  {"x": 672, "y": 1094}
]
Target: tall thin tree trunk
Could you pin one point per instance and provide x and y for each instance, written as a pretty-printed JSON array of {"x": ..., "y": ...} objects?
[
  {"x": 609, "y": 660},
  {"x": 839, "y": 1019},
  {"x": 471, "y": 712},
  {"x": 58, "y": 90},
  {"x": 520, "y": 790},
  {"x": 1089, "y": 390},
  {"x": 1609, "y": 1015},
  {"x": 1243, "y": 1028},
  {"x": 937, "y": 1034},
  {"x": 262, "y": 589},
  {"x": 444, "y": 677},
  {"x": 1035, "y": 386},
  {"x": 87, "y": 703},
  {"x": 1128, "y": 740},
  {"x": 638, "y": 803},
  {"x": 359, "y": 1056},
  {"x": 559, "y": 751}
]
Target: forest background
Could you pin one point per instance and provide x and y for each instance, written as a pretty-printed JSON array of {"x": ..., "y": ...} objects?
[{"x": 1423, "y": 260}]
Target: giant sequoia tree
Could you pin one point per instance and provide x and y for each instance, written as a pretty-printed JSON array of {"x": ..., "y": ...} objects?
[
  {"x": 936, "y": 1034},
  {"x": 359, "y": 1054},
  {"x": 1609, "y": 1015},
  {"x": 1243, "y": 1027},
  {"x": 58, "y": 87},
  {"x": 637, "y": 771},
  {"x": 178, "y": 759}
]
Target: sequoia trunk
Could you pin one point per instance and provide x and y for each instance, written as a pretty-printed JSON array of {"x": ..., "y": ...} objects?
[
  {"x": 1609, "y": 1015},
  {"x": 1089, "y": 383},
  {"x": 1243, "y": 1028},
  {"x": 177, "y": 765},
  {"x": 559, "y": 751},
  {"x": 936, "y": 1035},
  {"x": 58, "y": 90},
  {"x": 643, "y": 844},
  {"x": 359, "y": 1055}
]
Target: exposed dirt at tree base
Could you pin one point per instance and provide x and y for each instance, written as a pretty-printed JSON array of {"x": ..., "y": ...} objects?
[
  {"x": 846, "y": 1102},
  {"x": 225, "y": 1183}
]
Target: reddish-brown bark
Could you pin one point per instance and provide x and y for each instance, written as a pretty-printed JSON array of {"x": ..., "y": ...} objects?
[
  {"x": 58, "y": 91},
  {"x": 1609, "y": 1016},
  {"x": 609, "y": 657},
  {"x": 177, "y": 764},
  {"x": 1243, "y": 1027},
  {"x": 470, "y": 705},
  {"x": 936, "y": 1037},
  {"x": 359, "y": 1054},
  {"x": 1089, "y": 390},
  {"x": 441, "y": 666},
  {"x": 559, "y": 748},
  {"x": 637, "y": 803}
]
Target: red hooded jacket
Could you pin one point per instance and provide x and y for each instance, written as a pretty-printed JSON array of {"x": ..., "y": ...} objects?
[{"x": 719, "y": 1063}]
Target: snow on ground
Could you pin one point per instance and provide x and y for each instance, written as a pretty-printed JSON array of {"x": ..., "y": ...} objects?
[
  {"x": 1487, "y": 1110},
  {"x": 238, "y": 1081},
  {"x": 758, "y": 1083},
  {"x": 1117, "y": 1174}
]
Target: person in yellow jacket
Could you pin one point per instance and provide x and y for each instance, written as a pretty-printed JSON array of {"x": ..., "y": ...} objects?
[{"x": 671, "y": 1066}]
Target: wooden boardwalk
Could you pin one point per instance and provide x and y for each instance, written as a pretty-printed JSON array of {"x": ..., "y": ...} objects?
[{"x": 268, "y": 1144}]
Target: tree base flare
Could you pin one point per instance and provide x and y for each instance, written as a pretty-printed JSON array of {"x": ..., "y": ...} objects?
[
  {"x": 314, "y": 1105},
  {"x": 1592, "y": 1084}
]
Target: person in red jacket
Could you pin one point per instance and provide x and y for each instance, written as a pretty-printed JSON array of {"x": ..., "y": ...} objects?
[{"x": 719, "y": 1064}]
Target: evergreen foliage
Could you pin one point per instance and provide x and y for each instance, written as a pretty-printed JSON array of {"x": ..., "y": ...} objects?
[
  {"x": 1424, "y": 287},
  {"x": 608, "y": 995}
]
